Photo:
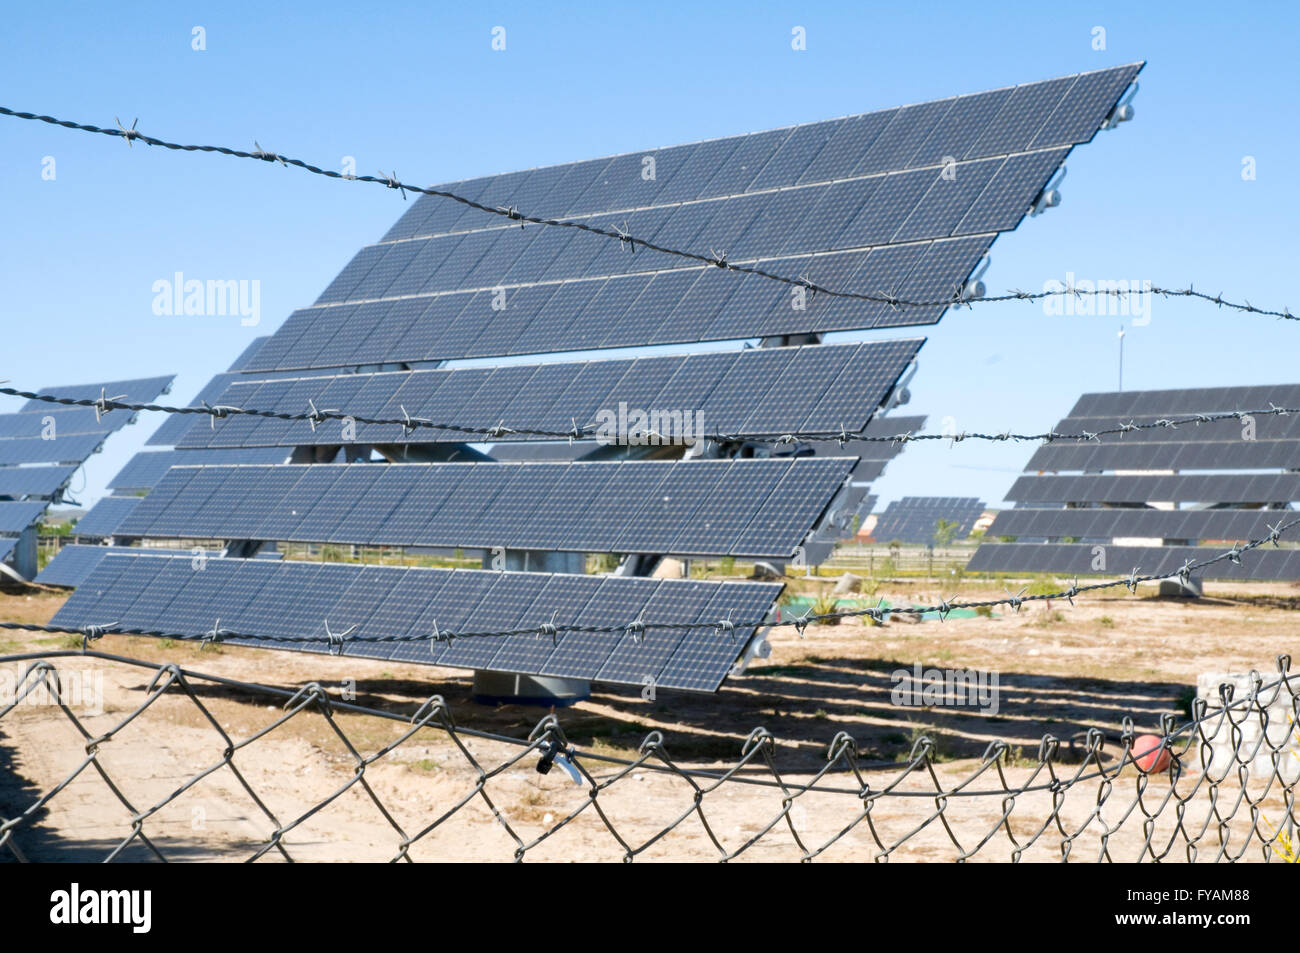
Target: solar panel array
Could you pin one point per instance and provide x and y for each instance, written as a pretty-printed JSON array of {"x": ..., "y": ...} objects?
[
  {"x": 1247, "y": 481},
  {"x": 699, "y": 507},
  {"x": 904, "y": 200},
  {"x": 299, "y": 599},
  {"x": 73, "y": 563},
  {"x": 758, "y": 391},
  {"x": 43, "y": 444},
  {"x": 915, "y": 519}
]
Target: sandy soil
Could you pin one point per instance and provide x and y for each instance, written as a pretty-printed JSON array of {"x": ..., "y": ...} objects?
[{"x": 1062, "y": 669}]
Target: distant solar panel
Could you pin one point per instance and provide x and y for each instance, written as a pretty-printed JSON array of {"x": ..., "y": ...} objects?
[
  {"x": 915, "y": 519},
  {"x": 753, "y": 392},
  {"x": 865, "y": 201},
  {"x": 739, "y": 508},
  {"x": 105, "y": 516},
  {"x": 298, "y": 600},
  {"x": 7, "y": 545},
  {"x": 1104, "y": 524}
]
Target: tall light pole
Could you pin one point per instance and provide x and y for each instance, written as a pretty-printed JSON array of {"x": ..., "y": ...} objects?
[{"x": 1121, "y": 357}]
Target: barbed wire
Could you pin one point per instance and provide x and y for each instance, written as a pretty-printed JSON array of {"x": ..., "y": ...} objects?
[
  {"x": 315, "y": 417},
  {"x": 1237, "y": 743},
  {"x": 639, "y": 627},
  {"x": 961, "y": 295}
]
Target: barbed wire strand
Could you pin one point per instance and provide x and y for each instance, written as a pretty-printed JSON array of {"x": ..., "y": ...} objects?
[
  {"x": 314, "y": 416},
  {"x": 961, "y": 295}
]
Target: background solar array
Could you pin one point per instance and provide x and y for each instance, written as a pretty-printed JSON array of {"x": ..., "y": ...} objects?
[
  {"x": 705, "y": 507},
  {"x": 863, "y": 201},
  {"x": 43, "y": 482},
  {"x": 915, "y": 519},
  {"x": 1105, "y": 524},
  {"x": 1060, "y": 515},
  {"x": 298, "y": 599},
  {"x": 1079, "y": 559},
  {"x": 767, "y": 390}
]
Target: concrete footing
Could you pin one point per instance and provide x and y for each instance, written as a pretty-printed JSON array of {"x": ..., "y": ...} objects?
[
  {"x": 502, "y": 688},
  {"x": 1249, "y": 736},
  {"x": 1191, "y": 589}
]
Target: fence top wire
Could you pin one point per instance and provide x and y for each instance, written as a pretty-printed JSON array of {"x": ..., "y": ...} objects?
[
  {"x": 961, "y": 295},
  {"x": 315, "y": 416},
  {"x": 549, "y": 744},
  {"x": 640, "y": 627}
]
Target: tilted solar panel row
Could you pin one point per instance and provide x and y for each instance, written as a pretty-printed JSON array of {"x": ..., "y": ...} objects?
[
  {"x": 1212, "y": 431},
  {"x": 71, "y": 449},
  {"x": 44, "y": 482},
  {"x": 1105, "y": 524},
  {"x": 145, "y": 469},
  {"x": 105, "y": 516},
  {"x": 16, "y": 517},
  {"x": 697, "y": 507},
  {"x": 306, "y": 600},
  {"x": 671, "y": 307},
  {"x": 73, "y": 563},
  {"x": 138, "y": 390},
  {"x": 1186, "y": 401},
  {"x": 1055, "y": 112},
  {"x": 940, "y": 202},
  {"x": 758, "y": 391},
  {"x": 1081, "y": 559},
  {"x": 56, "y": 421},
  {"x": 1181, "y": 488},
  {"x": 501, "y": 290},
  {"x": 1218, "y": 455}
]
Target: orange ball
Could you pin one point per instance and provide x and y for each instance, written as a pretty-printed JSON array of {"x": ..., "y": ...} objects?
[{"x": 1148, "y": 755}]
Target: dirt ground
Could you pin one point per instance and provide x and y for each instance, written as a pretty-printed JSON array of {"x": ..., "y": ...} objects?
[{"x": 1062, "y": 670}]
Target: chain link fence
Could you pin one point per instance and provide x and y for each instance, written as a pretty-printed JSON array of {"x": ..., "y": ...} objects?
[{"x": 181, "y": 765}]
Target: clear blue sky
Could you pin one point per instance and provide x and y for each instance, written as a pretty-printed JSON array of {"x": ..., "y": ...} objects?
[{"x": 416, "y": 88}]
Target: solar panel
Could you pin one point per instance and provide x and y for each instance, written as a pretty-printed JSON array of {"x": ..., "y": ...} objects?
[
  {"x": 761, "y": 391},
  {"x": 1151, "y": 495},
  {"x": 7, "y": 546},
  {"x": 1080, "y": 559},
  {"x": 34, "y": 481},
  {"x": 69, "y": 449},
  {"x": 933, "y": 174},
  {"x": 145, "y": 469},
  {"x": 688, "y": 507},
  {"x": 915, "y": 519},
  {"x": 138, "y": 391},
  {"x": 288, "y": 598},
  {"x": 105, "y": 516},
  {"x": 16, "y": 517},
  {"x": 1104, "y": 524}
]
